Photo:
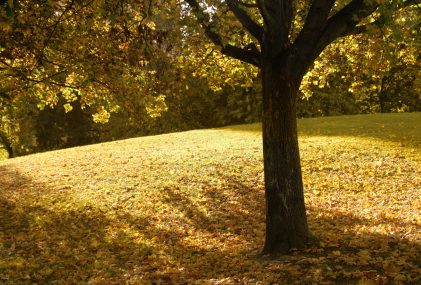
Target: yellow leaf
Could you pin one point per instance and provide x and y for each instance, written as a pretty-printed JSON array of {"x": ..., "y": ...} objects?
[
  {"x": 97, "y": 264},
  {"x": 218, "y": 48},
  {"x": 400, "y": 277}
]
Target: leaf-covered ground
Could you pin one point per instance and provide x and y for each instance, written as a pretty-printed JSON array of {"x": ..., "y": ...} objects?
[{"x": 188, "y": 208}]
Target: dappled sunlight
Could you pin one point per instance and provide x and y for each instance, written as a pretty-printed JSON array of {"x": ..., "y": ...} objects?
[{"x": 188, "y": 208}]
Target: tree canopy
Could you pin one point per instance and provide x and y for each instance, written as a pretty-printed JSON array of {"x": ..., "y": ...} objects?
[
  {"x": 101, "y": 51},
  {"x": 111, "y": 55},
  {"x": 283, "y": 39},
  {"x": 108, "y": 51}
]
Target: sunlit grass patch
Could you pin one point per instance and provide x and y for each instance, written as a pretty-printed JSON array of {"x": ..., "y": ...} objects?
[
  {"x": 189, "y": 207},
  {"x": 404, "y": 128}
]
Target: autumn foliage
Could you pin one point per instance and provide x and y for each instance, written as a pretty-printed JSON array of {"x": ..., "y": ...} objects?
[{"x": 188, "y": 208}]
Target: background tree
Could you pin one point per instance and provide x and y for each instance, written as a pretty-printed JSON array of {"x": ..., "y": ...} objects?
[
  {"x": 6, "y": 128},
  {"x": 380, "y": 70},
  {"x": 107, "y": 54},
  {"x": 60, "y": 128},
  {"x": 102, "y": 51}
]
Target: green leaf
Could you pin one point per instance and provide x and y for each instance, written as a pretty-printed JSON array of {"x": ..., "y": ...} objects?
[{"x": 112, "y": 18}]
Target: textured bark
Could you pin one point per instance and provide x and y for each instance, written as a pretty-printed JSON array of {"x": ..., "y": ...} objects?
[
  {"x": 283, "y": 65},
  {"x": 6, "y": 143},
  {"x": 286, "y": 222}
]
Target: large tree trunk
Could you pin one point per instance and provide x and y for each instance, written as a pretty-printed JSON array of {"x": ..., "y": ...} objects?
[
  {"x": 283, "y": 65},
  {"x": 286, "y": 221}
]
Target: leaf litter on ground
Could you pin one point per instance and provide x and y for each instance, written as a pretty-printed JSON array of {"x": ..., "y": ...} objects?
[{"x": 188, "y": 208}]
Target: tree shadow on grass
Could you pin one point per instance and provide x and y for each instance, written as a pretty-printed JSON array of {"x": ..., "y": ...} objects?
[
  {"x": 44, "y": 241},
  {"x": 47, "y": 239},
  {"x": 388, "y": 246}
]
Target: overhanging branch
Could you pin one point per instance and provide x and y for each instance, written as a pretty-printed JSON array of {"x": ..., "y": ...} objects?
[
  {"x": 263, "y": 11},
  {"x": 344, "y": 21},
  {"x": 244, "y": 4},
  {"x": 249, "y": 56},
  {"x": 379, "y": 22},
  {"x": 316, "y": 21},
  {"x": 252, "y": 27}
]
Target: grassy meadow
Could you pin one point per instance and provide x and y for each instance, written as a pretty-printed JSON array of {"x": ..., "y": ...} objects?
[{"x": 188, "y": 208}]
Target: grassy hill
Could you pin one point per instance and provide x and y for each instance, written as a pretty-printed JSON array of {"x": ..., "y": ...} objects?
[{"x": 189, "y": 207}]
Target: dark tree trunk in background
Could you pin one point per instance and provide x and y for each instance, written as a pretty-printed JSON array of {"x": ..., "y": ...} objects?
[
  {"x": 382, "y": 96},
  {"x": 6, "y": 144}
]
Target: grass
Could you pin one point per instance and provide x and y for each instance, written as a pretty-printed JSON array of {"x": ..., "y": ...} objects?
[{"x": 187, "y": 208}]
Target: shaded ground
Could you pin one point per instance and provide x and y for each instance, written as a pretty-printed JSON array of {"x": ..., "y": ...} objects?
[{"x": 188, "y": 208}]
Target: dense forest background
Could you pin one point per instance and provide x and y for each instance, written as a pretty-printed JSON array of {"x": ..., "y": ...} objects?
[
  {"x": 203, "y": 89},
  {"x": 200, "y": 106}
]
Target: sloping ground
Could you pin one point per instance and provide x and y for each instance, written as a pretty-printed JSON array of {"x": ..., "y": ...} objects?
[{"x": 187, "y": 208}]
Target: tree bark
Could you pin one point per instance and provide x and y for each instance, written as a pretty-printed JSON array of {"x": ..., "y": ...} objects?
[
  {"x": 283, "y": 65},
  {"x": 286, "y": 221},
  {"x": 6, "y": 143}
]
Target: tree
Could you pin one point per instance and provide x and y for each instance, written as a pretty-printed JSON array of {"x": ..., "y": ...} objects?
[
  {"x": 107, "y": 51},
  {"x": 5, "y": 139},
  {"x": 102, "y": 51},
  {"x": 106, "y": 54},
  {"x": 283, "y": 39},
  {"x": 8, "y": 128},
  {"x": 380, "y": 71},
  {"x": 58, "y": 128},
  {"x": 400, "y": 87}
]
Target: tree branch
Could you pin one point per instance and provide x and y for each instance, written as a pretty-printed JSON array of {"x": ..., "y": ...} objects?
[
  {"x": 58, "y": 21},
  {"x": 409, "y": 3},
  {"x": 266, "y": 16},
  {"x": 249, "y": 56},
  {"x": 252, "y": 27},
  {"x": 316, "y": 21},
  {"x": 244, "y": 4},
  {"x": 344, "y": 21},
  {"x": 363, "y": 28},
  {"x": 377, "y": 23},
  {"x": 278, "y": 17}
]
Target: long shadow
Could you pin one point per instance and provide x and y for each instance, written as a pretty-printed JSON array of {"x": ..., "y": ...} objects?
[
  {"x": 44, "y": 241},
  {"x": 347, "y": 243}
]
